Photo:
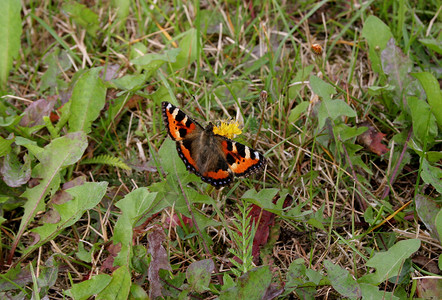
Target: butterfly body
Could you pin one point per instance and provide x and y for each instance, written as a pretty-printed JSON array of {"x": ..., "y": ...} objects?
[{"x": 214, "y": 158}]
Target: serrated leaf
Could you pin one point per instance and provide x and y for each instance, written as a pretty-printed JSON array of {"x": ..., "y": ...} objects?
[
  {"x": 10, "y": 32},
  {"x": 342, "y": 281},
  {"x": 87, "y": 101},
  {"x": 84, "y": 197},
  {"x": 388, "y": 263},
  {"x": 372, "y": 292},
  {"x": 61, "y": 152},
  {"x": 133, "y": 206},
  {"x": 198, "y": 275},
  {"x": 252, "y": 285}
]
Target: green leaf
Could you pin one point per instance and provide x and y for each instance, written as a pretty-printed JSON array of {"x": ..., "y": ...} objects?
[
  {"x": 346, "y": 132},
  {"x": 61, "y": 152},
  {"x": 433, "y": 44},
  {"x": 130, "y": 82},
  {"x": 438, "y": 223},
  {"x": 86, "y": 289},
  {"x": 119, "y": 286},
  {"x": 434, "y": 94},
  {"x": 252, "y": 285},
  {"x": 153, "y": 61},
  {"x": 427, "y": 209},
  {"x": 322, "y": 88},
  {"x": 377, "y": 35},
  {"x": 198, "y": 275},
  {"x": 5, "y": 146},
  {"x": 424, "y": 122},
  {"x": 87, "y": 101},
  {"x": 372, "y": 292},
  {"x": 189, "y": 49},
  {"x": 15, "y": 173},
  {"x": 106, "y": 160},
  {"x": 85, "y": 197},
  {"x": 388, "y": 264},
  {"x": 342, "y": 281},
  {"x": 298, "y": 81},
  {"x": 298, "y": 110},
  {"x": 10, "y": 32},
  {"x": 432, "y": 175},
  {"x": 333, "y": 109},
  {"x": 133, "y": 206},
  {"x": 122, "y": 8},
  {"x": 83, "y": 16}
]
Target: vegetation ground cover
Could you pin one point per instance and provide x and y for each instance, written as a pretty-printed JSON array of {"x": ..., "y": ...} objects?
[{"x": 343, "y": 99}]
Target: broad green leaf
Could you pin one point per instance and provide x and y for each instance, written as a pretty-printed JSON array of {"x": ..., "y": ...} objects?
[
  {"x": 264, "y": 199},
  {"x": 333, "y": 109},
  {"x": 434, "y": 94},
  {"x": 388, "y": 263},
  {"x": 252, "y": 285},
  {"x": 84, "y": 197},
  {"x": 133, "y": 206},
  {"x": 119, "y": 286},
  {"x": 83, "y": 16},
  {"x": 424, "y": 122},
  {"x": 189, "y": 49},
  {"x": 377, "y": 35},
  {"x": 432, "y": 175},
  {"x": 198, "y": 275},
  {"x": 322, "y": 88},
  {"x": 342, "y": 281},
  {"x": 372, "y": 292},
  {"x": 61, "y": 152},
  {"x": 87, "y": 101},
  {"x": 10, "y": 32},
  {"x": 86, "y": 289}
]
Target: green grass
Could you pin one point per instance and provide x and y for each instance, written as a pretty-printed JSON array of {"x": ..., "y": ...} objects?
[{"x": 95, "y": 200}]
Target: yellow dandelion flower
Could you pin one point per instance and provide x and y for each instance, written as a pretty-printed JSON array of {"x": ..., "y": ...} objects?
[{"x": 228, "y": 130}]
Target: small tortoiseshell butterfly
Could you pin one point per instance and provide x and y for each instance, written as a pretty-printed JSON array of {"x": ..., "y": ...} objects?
[{"x": 214, "y": 158}]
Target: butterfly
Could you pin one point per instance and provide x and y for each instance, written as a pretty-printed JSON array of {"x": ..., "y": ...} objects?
[{"x": 214, "y": 158}]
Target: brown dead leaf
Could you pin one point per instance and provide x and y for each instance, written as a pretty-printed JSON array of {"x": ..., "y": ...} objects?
[{"x": 372, "y": 140}]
